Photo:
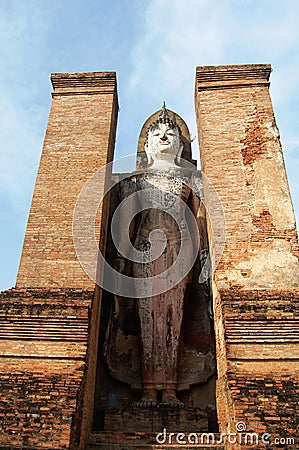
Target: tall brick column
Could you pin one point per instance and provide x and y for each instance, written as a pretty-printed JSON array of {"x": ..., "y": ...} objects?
[
  {"x": 79, "y": 140},
  {"x": 49, "y": 324},
  {"x": 256, "y": 282}
]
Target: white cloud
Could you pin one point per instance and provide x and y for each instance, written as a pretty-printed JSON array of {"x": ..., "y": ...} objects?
[
  {"x": 23, "y": 115},
  {"x": 178, "y": 36},
  {"x": 19, "y": 151},
  {"x": 22, "y": 121}
]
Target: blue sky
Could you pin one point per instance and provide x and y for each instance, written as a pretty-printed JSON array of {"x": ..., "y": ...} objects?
[{"x": 154, "y": 46}]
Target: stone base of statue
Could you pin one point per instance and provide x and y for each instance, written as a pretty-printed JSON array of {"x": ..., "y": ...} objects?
[{"x": 154, "y": 419}]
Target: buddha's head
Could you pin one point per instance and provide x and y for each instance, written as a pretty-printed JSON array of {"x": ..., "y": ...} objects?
[{"x": 164, "y": 138}]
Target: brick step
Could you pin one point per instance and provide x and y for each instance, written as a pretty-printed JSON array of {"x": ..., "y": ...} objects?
[
  {"x": 129, "y": 441},
  {"x": 32, "y": 327}
]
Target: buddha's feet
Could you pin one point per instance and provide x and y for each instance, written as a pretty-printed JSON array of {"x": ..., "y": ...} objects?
[
  {"x": 170, "y": 400},
  {"x": 148, "y": 400}
]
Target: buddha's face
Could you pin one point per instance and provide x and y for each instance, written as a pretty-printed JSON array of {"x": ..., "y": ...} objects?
[{"x": 164, "y": 140}]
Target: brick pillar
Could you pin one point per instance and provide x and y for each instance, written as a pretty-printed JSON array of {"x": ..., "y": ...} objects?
[
  {"x": 256, "y": 281},
  {"x": 79, "y": 140},
  {"x": 49, "y": 324}
]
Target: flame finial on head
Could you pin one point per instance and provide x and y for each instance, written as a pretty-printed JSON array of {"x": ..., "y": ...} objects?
[
  {"x": 164, "y": 118},
  {"x": 164, "y": 113}
]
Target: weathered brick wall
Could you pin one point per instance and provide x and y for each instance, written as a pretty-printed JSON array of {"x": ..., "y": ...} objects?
[
  {"x": 255, "y": 285},
  {"x": 50, "y": 322},
  {"x": 79, "y": 140},
  {"x": 261, "y": 381},
  {"x": 242, "y": 157},
  {"x": 43, "y": 346}
]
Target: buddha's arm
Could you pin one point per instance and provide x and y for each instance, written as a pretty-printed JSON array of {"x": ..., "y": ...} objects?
[
  {"x": 124, "y": 223},
  {"x": 198, "y": 208}
]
